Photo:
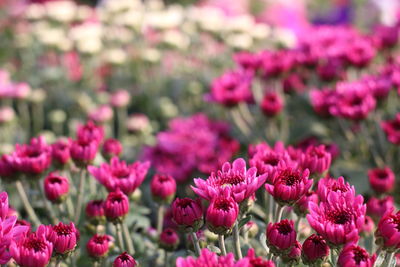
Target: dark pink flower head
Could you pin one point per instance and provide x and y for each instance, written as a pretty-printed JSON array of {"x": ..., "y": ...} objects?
[
  {"x": 169, "y": 239},
  {"x": 392, "y": 129},
  {"x": 322, "y": 101},
  {"x": 119, "y": 174},
  {"x": 8, "y": 170},
  {"x": 4, "y": 207},
  {"x": 316, "y": 159},
  {"x": 360, "y": 53},
  {"x": 381, "y": 180},
  {"x": 331, "y": 69},
  {"x": 101, "y": 114},
  {"x": 124, "y": 260},
  {"x": 301, "y": 206},
  {"x": 120, "y": 98},
  {"x": 222, "y": 213},
  {"x": 377, "y": 208},
  {"x": 387, "y": 36},
  {"x": 83, "y": 151},
  {"x": 247, "y": 60},
  {"x": 163, "y": 188},
  {"x": 281, "y": 236},
  {"x": 64, "y": 237},
  {"x": 56, "y": 187},
  {"x": 95, "y": 211},
  {"x": 33, "y": 250},
  {"x": 315, "y": 249},
  {"x": 34, "y": 158},
  {"x": 111, "y": 148},
  {"x": 330, "y": 185},
  {"x": 294, "y": 83},
  {"x": 276, "y": 63},
  {"x": 290, "y": 186},
  {"x": 293, "y": 257},
  {"x": 90, "y": 132},
  {"x": 338, "y": 220},
  {"x": 99, "y": 245},
  {"x": 271, "y": 104},
  {"x": 258, "y": 261},
  {"x": 388, "y": 232},
  {"x": 380, "y": 86},
  {"x": 187, "y": 213},
  {"x": 242, "y": 182},
  {"x": 354, "y": 101},
  {"x": 116, "y": 206},
  {"x": 355, "y": 256},
  {"x": 369, "y": 226},
  {"x": 60, "y": 152},
  {"x": 232, "y": 88},
  {"x": 210, "y": 259}
]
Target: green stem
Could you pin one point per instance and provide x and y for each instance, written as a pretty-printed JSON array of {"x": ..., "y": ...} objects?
[
  {"x": 195, "y": 243},
  {"x": 128, "y": 239},
  {"x": 221, "y": 242},
  {"x": 120, "y": 239},
  {"x": 236, "y": 238},
  {"x": 121, "y": 115},
  {"x": 279, "y": 212},
  {"x": 240, "y": 123},
  {"x": 81, "y": 192},
  {"x": 160, "y": 218},
  {"x": 47, "y": 205},
  {"x": 27, "y": 205}
]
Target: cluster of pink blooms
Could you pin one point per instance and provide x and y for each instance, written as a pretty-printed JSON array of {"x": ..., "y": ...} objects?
[
  {"x": 181, "y": 150},
  {"x": 12, "y": 90}
]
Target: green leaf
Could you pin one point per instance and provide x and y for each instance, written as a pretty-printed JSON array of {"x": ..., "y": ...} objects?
[
  {"x": 244, "y": 221},
  {"x": 214, "y": 249}
]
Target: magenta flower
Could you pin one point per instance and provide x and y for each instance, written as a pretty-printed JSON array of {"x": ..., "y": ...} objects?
[
  {"x": 120, "y": 175},
  {"x": 99, "y": 245},
  {"x": 301, "y": 207},
  {"x": 187, "y": 213},
  {"x": 392, "y": 129},
  {"x": 377, "y": 208},
  {"x": 95, "y": 211},
  {"x": 369, "y": 226},
  {"x": 388, "y": 232},
  {"x": 275, "y": 63},
  {"x": 111, "y": 148},
  {"x": 56, "y": 187},
  {"x": 90, "y": 132},
  {"x": 338, "y": 220},
  {"x": 355, "y": 256},
  {"x": 33, "y": 250},
  {"x": 381, "y": 180},
  {"x": 293, "y": 257},
  {"x": 289, "y": 186},
  {"x": 101, "y": 114},
  {"x": 60, "y": 152},
  {"x": 380, "y": 86},
  {"x": 32, "y": 159},
  {"x": 169, "y": 239},
  {"x": 124, "y": 260},
  {"x": 360, "y": 52},
  {"x": 257, "y": 261},
  {"x": 222, "y": 213},
  {"x": 271, "y": 104},
  {"x": 210, "y": 259},
  {"x": 337, "y": 186},
  {"x": 116, "y": 206},
  {"x": 281, "y": 236},
  {"x": 247, "y": 60},
  {"x": 64, "y": 237},
  {"x": 241, "y": 182},
  {"x": 314, "y": 250},
  {"x": 120, "y": 98},
  {"x": 316, "y": 159},
  {"x": 232, "y": 88},
  {"x": 163, "y": 188},
  {"x": 83, "y": 151},
  {"x": 322, "y": 101},
  {"x": 7, "y": 168}
]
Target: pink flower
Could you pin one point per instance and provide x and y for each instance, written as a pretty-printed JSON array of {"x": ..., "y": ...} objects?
[
  {"x": 95, "y": 211},
  {"x": 377, "y": 208},
  {"x": 387, "y": 35},
  {"x": 232, "y": 88},
  {"x": 116, "y": 206},
  {"x": 289, "y": 186},
  {"x": 339, "y": 220},
  {"x": 73, "y": 65},
  {"x": 271, "y": 104},
  {"x": 294, "y": 83},
  {"x": 293, "y": 257},
  {"x": 124, "y": 260},
  {"x": 354, "y": 256},
  {"x": 169, "y": 239},
  {"x": 90, "y": 132},
  {"x": 7, "y": 114},
  {"x": 241, "y": 182},
  {"x": 369, "y": 226},
  {"x": 187, "y": 213},
  {"x": 360, "y": 53},
  {"x": 388, "y": 232},
  {"x": 314, "y": 249},
  {"x": 120, "y": 98},
  {"x": 120, "y": 175},
  {"x": 380, "y": 86},
  {"x": 7, "y": 168},
  {"x": 247, "y": 60},
  {"x": 64, "y": 237},
  {"x": 99, "y": 245},
  {"x": 281, "y": 236},
  {"x": 101, "y": 114},
  {"x": 316, "y": 159},
  {"x": 258, "y": 261},
  {"x": 137, "y": 123},
  {"x": 111, "y": 148},
  {"x": 83, "y": 151},
  {"x": 392, "y": 129},
  {"x": 163, "y": 188},
  {"x": 210, "y": 259},
  {"x": 32, "y": 159},
  {"x": 275, "y": 63},
  {"x": 33, "y": 250},
  {"x": 301, "y": 207},
  {"x": 222, "y": 213},
  {"x": 322, "y": 101},
  {"x": 381, "y": 180},
  {"x": 60, "y": 151},
  {"x": 56, "y": 187},
  {"x": 21, "y": 91},
  {"x": 337, "y": 186}
]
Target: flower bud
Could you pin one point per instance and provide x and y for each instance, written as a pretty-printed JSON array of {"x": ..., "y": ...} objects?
[
  {"x": 116, "y": 206},
  {"x": 124, "y": 260},
  {"x": 315, "y": 250},
  {"x": 95, "y": 212},
  {"x": 111, "y": 148},
  {"x": 222, "y": 214},
  {"x": 56, "y": 187},
  {"x": 187, "y": 214},
  {"x": 381, "y": 180},
  {"x": 163, "y": 188},
  {"x": 169, "y": 239},
  {"x": 99, "y": 245},
  {"x": 281, "y": 236}
]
